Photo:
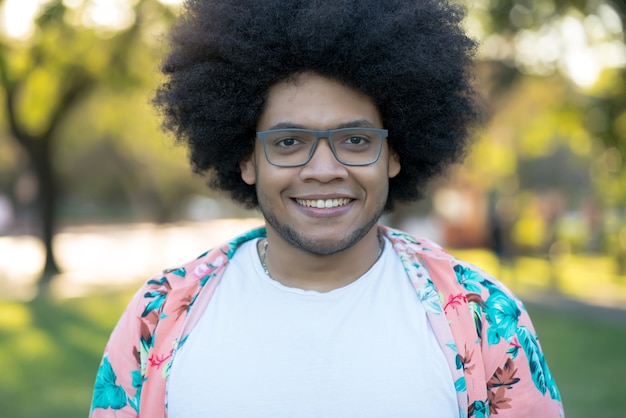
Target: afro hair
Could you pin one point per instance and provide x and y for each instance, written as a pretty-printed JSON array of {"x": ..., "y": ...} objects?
[{"x": 412, "y": 58}]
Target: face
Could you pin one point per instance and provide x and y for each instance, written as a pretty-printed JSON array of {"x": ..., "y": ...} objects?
[{"x": 322, "y": 207}]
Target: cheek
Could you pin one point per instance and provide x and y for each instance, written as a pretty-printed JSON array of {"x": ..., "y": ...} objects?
[
  {"x": 375, "y": 182},
  {"x": 268, "y": 179}
]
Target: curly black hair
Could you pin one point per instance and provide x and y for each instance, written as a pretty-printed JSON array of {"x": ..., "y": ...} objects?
[{"x": 413, "y": 58}]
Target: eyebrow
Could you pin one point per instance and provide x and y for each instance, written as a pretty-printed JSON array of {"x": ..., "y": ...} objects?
[{"x": 358, "y": 123}]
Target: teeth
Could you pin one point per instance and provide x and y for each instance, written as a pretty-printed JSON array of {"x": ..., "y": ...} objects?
[{"x": 321, "y": 203}]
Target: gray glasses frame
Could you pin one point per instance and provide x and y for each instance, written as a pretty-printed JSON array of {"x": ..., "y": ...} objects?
[{"x": 262, "y": 136}]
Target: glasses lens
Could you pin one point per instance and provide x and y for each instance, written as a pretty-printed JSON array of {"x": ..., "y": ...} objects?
[
  {"x": 357, "y": 146},
  {"x": 289, "y": 147}
]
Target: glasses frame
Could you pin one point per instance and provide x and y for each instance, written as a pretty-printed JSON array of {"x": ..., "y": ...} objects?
[{"x": 262, "y": 136}]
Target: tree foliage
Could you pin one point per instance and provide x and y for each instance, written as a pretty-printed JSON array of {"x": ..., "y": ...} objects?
[{"x": 76, "y": 97}]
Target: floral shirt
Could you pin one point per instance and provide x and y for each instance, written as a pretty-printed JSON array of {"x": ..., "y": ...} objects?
[{"x": 484, "y": 331}]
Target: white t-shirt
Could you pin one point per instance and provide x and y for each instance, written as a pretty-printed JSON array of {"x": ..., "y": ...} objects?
[{"x": 262, "y": 349}]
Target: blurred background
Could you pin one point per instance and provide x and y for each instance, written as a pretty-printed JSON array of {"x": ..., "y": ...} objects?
[{"x": 94, "y": 197}]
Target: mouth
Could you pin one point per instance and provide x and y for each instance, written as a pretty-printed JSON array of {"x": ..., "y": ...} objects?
[{"x": 323, "y": 203}]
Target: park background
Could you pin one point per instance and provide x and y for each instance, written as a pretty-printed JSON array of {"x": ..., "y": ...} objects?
[{"x": 94, "y": 197}]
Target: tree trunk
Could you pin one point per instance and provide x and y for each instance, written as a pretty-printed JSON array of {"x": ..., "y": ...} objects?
[{"x": 46, "y": 205}]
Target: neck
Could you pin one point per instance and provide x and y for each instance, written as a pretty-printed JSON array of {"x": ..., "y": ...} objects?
[{"x": 295, "y": 267}]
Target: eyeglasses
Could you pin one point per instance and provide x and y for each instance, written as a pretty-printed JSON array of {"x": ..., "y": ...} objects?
[{"x": 295, "y": 147}]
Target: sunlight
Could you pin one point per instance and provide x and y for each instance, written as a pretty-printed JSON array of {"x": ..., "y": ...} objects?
[
  {"x": 17, "y": 17},
  {"x": 578, "y": 46},
  {"x": 581, "y": 67},
  {"x": 14, "y": 316},
  {"x": 112, "y": 15}
]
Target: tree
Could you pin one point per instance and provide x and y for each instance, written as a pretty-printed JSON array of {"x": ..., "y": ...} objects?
[
  {"x": 578, "y": 44},
  {"x": 51, "y": 74}
]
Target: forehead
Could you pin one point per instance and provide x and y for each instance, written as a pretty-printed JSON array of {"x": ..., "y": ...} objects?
[{"x": 316, "y": 102}]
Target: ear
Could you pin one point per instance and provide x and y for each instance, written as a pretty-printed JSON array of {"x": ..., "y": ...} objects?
[
  {"x": 394, "y": 164},
  {"x": 248, "y": 172}
]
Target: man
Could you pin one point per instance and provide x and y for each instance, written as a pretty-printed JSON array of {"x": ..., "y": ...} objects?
[{"x": 322, "y": 114}]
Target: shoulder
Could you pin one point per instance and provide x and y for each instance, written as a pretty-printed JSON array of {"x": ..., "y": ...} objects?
[
  {"x": 445, "y": 269},
  {"x": 180, "y": 284},
  {"x": 463, "y": 289}
]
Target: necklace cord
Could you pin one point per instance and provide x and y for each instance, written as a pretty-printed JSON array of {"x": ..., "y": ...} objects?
[{"x": 263, "y": 255}]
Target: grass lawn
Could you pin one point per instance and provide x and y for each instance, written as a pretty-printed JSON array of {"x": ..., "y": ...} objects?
[
  {"x": 587, "y": 358},
  {"x": 49, "y": 353}
]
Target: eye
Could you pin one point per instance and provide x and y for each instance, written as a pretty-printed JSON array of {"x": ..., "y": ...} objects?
[
  {"x": 356, "y": 140},
  {"x": 287, "y": 142}
]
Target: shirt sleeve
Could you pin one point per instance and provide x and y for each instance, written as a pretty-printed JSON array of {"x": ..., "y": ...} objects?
[
  {"x": 519, "y": 381},
  {"x": 119, "y": 379}
]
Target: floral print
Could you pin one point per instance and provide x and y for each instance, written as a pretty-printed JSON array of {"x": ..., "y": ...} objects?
[
  {"x": 503, "y": 379},
  {"x": 484, "y": 331}
]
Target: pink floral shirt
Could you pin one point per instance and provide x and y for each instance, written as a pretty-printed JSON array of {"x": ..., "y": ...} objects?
[{"x": 484, "y": 331}]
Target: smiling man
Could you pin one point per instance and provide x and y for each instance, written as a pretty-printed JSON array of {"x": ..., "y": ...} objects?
[
  {"x": 320, "y": 194},
  {"x": 322, "y": 114}
]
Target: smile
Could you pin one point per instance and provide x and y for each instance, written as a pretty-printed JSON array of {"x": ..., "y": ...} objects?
[{"x": 323, "y": 203}]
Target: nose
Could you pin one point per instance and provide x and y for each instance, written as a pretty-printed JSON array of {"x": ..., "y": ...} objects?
[{"x": 323, "y": 166}]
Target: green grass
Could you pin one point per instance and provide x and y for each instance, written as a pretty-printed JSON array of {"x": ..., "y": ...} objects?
[
  {"x": 49, "y": 353},
  {"x": 587, "y": 358}
]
